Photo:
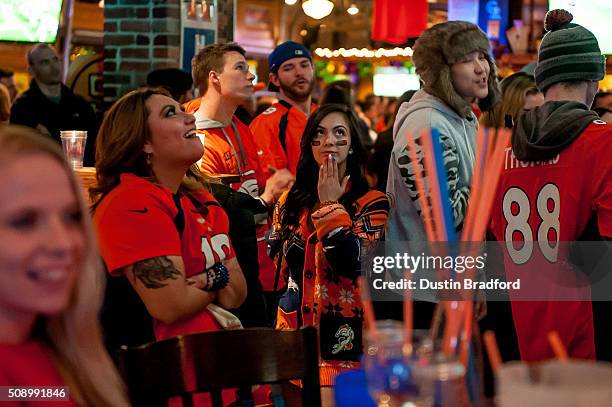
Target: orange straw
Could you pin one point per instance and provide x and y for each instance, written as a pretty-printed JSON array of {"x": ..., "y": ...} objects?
[
  {"x": 368, "y": 309},
  {"x": 489, "y": 187},
  {"x": 492, "y": 351},
  {"x": 466, "y": 339},
  {"x": 557, "y": 346},
  {"x": 420, "y": 186},
  {"x": 475, "y": 187},
  {"x": 407, "y": 311}
]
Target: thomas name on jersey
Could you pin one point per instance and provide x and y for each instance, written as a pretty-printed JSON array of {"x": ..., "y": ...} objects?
[{"x": 511, "y": 162}]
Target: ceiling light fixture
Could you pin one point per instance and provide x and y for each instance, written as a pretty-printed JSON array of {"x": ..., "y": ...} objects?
[
  {"x": 290, "y": 2},
  {"x": 353, "y": 9},
  {"x": 317, "y": 9}
]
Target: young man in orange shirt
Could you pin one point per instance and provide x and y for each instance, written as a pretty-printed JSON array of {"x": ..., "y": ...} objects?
[
  {"x": 278, "y": 130},
  {"x": 222, "y": 74}
]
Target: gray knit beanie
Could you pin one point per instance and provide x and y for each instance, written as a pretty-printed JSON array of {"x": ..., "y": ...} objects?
[{"x": 568, "y": 52}]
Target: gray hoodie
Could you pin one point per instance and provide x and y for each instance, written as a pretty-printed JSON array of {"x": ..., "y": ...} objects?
[{"x": 458, "y": 136}]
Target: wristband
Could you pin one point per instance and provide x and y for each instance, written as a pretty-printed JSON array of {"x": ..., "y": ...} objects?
[
  {"x": 217, "y": 277},
  {"x": 327, "y": 203}
]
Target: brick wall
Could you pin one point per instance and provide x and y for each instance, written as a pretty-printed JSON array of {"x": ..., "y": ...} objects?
[
  {"x": 139, "y": 36},
  {"x": 143, "y": 35}
]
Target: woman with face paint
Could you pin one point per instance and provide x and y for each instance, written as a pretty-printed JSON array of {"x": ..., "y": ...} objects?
[{"x": 319, "y": 225}]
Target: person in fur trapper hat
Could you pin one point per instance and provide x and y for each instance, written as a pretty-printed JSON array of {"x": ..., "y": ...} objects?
[
  {"x": 439, "y": 55},
  {"x": 456, "y": 70}
]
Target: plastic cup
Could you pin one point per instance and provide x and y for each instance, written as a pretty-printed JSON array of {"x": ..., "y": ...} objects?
[
  {"x": 416, "y": 376},
  {"x": 555, "y": 383},
  {"x": 390, "y": 367},
  {"x": 73, "y": 142}
]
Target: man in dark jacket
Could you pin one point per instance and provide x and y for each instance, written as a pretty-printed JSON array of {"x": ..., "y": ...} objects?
[{"x": 49, "y": 106}]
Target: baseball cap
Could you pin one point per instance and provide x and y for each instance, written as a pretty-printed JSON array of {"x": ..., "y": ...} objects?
[{"x": 282, "y": 53}]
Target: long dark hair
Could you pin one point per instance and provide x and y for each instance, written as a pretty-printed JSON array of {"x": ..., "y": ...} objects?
[{"x": 304, "y": 193}]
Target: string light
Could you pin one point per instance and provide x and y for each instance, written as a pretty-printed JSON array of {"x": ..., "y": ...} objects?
[
  {"x": 290, "y": 2},
  {"x": 353, "y": 9},
  {"x": 364, "y": 52}
]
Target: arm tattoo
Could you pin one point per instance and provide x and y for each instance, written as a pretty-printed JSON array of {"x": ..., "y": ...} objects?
[{"x": 154, "y": 272}]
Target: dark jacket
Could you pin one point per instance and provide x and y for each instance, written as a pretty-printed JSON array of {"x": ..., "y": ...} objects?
[{"x": 72, "y": 113}]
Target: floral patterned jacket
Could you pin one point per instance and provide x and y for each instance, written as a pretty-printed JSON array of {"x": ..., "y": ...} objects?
[{"x": 321, "y": 267}]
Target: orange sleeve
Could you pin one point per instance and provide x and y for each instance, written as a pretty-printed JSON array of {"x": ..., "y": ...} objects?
[
  {"x": 212, "y": 161},
  {"x": 373, "y": 211},
  {"x": 330, "y": 217},
  {"x": 269, "y": 149}
]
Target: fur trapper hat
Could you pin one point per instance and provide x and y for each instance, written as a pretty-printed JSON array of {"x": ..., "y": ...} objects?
[{"x": 443, "y": 45}]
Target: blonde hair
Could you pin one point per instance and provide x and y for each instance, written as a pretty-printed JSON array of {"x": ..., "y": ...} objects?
[
  {"x": 74, "y": 337},
  {"x": 514, "y": 89}
]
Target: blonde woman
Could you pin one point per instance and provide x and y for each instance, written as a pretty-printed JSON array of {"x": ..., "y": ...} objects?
[
  {"x": 519, "y": 95},
  {"x": 50, "y": 277}
]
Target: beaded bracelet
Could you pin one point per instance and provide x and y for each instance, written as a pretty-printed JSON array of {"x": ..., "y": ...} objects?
[
  {"x": 326, "y": 203},
  {"x": 217, "y": 277}
]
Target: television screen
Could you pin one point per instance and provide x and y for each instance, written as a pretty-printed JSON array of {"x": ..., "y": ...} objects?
[
  {"x": 596, "y": 15},
  {"x": 29, "y": 20},
  {"x": 394, "y": 81}
]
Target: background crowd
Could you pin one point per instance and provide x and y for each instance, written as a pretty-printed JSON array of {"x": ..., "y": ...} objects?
[{"x": 224, "y": 211}]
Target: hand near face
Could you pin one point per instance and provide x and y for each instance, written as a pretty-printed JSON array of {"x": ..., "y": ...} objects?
[{"x": 329, "y": 186}]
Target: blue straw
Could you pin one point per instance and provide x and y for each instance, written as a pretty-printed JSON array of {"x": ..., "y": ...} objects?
[
  {"x": 449, "y": 226},
  {"x": 447, "y": 215}
]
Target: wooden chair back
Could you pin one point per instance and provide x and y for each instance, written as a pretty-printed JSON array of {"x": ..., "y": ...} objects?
[{"x": 212, "y": 361}]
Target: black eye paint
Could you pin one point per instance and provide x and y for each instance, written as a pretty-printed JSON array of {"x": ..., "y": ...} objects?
[{"x": 339, "y": 143}]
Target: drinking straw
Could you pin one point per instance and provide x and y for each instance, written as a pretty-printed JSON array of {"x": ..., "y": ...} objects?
[
  {"x": 479, "y": 166},
  {"x": 492, "y": 350},
  {"x": 466, "y": 339},
  {"x": 434, "y": 189},
  {"x": 447, "y": 215},
  {"x": 489, "y": 186},
  {"x": 407, "y": 312},
  {"x": 435, "y": 174},
  {"x": 368, "y": 309},
  {"x": 486, "y": 175},
  {"x": 420, "y": 187},
  {"x": 557, "y": 346}
]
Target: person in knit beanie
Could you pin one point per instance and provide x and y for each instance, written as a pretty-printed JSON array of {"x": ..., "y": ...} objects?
[
  {"x": 555, "y": 188},
  {"x": 568, "y": 52}
]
